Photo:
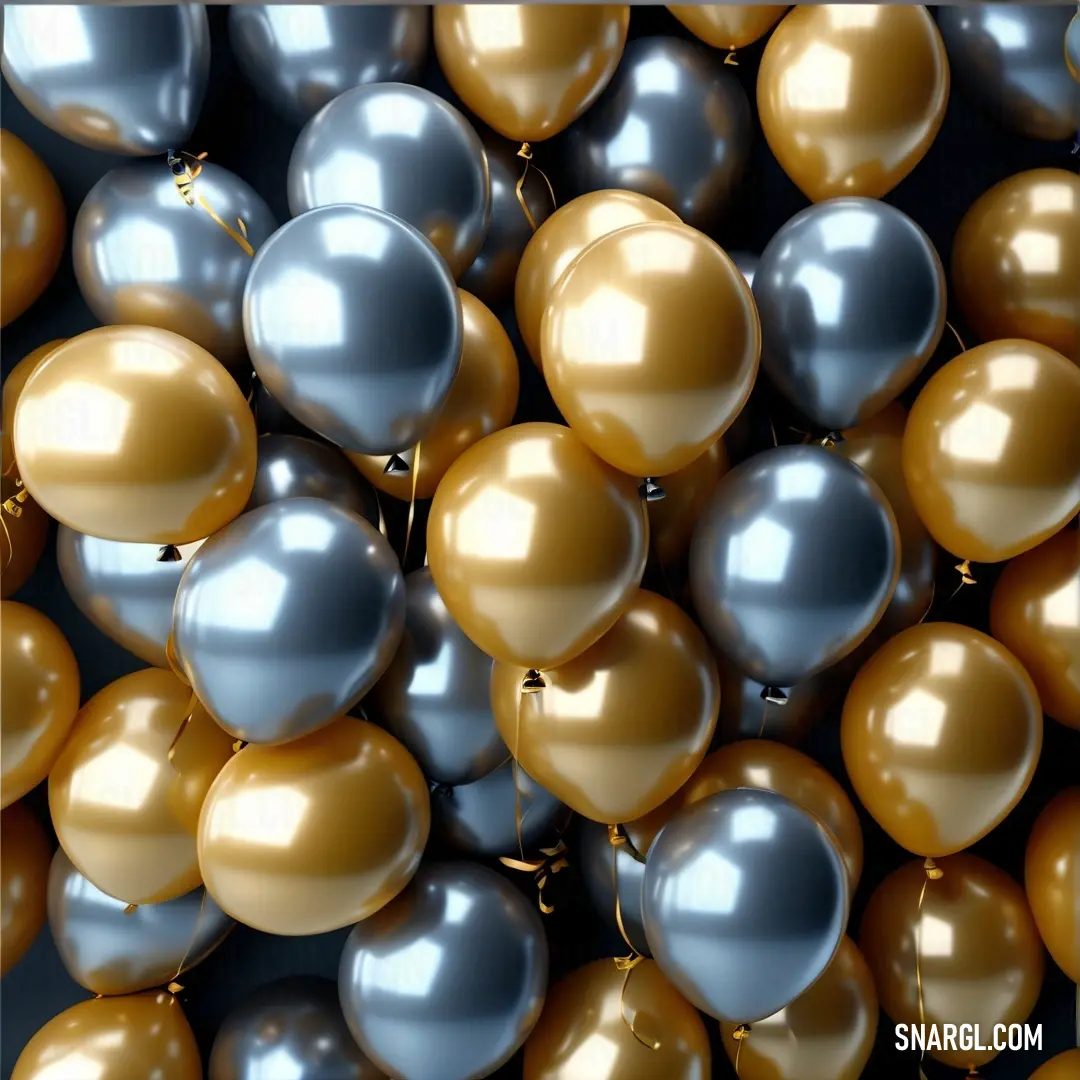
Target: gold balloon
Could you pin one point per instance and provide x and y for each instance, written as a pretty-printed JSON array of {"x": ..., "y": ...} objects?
[
  {"x": 980, "y": 959},
  {"x": 124, "y": 809},
  {"x": 25, "y": 855},
  {"x": 992, "y": 450},
  {"x": 535, "y": 545},
  {"x": 621, "y": 727},
  {"x": 1016, "y": 262},
  {"x": 316, "y": 834},
  {"x": 851, "y": 96},
  {"x": 1065, "y": 1066},
  {"x": 33, "y": 227},
  {"x": 13, "y": 388},
  {"x": 584, "y": 1031},
  {"x": 39, "y": 697},
  {"x": 672, "y": 518},
  {"x": 134, "y": 433},
  {"x": 482, "y": 400},
  {"x": 650, "y": 345},
  {"x": 529, "y": 71},
  {"x": 728, "y": 26},
  {"x": 22, "y": 539},
  {"x": 941, "y": 733}
]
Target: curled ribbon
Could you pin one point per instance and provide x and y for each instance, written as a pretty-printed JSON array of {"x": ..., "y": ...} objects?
[
  {"x": 185, "y": 175},
  {"x": 933, "y": 873},
  {"x": 966, "y": 576},
  {"x": 554, "y": 859},
  {"x": 525, "y": 152}
]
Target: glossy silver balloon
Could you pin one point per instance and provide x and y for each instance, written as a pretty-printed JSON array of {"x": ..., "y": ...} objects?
[
  {"x": 110, "y": 952},
  {"x": 1010, "y": 60},
  {"x": 672, "y": 124},
  {"x": 143, "y": 256},
  {"x": 404, "y": 150},
  {"x": 272, "y": 419},
  {"x": 851, "y": 295},
  {"x": 595, "y": 856},
  {"x": 747, "y": 264},
  {"x": 300, "y": 56},
  {"x": 119, "y": 78},
  {"x": 449, "y": 978},
  {"x": 1072, "y": 60},
  {"x": 793, "y": 562},
  {"x": 285, "y": 618},
  {"x": 353, "y": 322},
  {"x": 745, "y": 901}
]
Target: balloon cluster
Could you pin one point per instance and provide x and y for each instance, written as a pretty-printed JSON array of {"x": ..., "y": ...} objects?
[{"x": 314, "y": 722}]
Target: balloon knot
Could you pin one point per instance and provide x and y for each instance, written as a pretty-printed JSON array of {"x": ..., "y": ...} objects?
[
  {"x": 532, "y": 682},
  {"x": 615, "y": 835},
  {"x": 174, "y": 988},
  {"x": 831, "y": 440},
  {"x": 170, "y": 553},
  {"x": 525, "y": 151},
  {"x": 730, "y": 59},
  {"x": 964, "y": 570},
  {"x": 741, "y": 1032},
  {"x": 933, "y": 871},
  {"x": 395, "y": 466},
  {"x": 238, "y": 746},
  {"x": 14, "y": 505},
  {"x": 773, "y": 695},
  {"x": 650, "y": 490},
  {"x": 131, "y": 909}
]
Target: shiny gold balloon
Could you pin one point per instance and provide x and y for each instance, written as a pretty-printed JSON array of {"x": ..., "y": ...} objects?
[
  {"x": 134, "y": 433},
  {"x": 672, "y": 518},
  {"x": 528, "y": 71},
  {"x": 22, "y": 539},
  {"x": 980, "y": 960},
  {"x": 826, "y": 1033},
  {"x": 13, "y": 388},
  {"x": 584, "y": 1031},
  {"x": 991, "y": 450},
  {"x": 560, "y": 240},
  {"x": 126, "y": 810},
  {"x": 650, "y": 344},
  {"x": 39, "y": 697},
  {"x": 316, "y": 834},
  {"x": 25, "y": 855},
  {"x": 852, "y": 95},
  {"x": 1065, "y": 1066},
  {"x": 1016, "y": 262},
  {"x": 941, "y": 733},
  {"x": 728, "y": 26},
  {"x": 33, "y": 226},
  {"x": 1035, "y": 614},
  {"x": 482, "y": 399},
  {"x": 621, "y": 727},
  {"x": 535, "y": 545}
]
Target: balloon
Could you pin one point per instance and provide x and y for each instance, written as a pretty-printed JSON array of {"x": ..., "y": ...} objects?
[
  {"x": 272, "y": 419},
  {"x": 862, "y": 129},
  {"x": 482, "y": 399},
  {"x": 12, "y": 391},
  {"x": 485, "y": 975},
  {"x": 941, "y": 733},
  {"x": 1072, "y": 52},
  {"x": 664, "y": 304},
  {"x": 686, "y": 493},
  {"x": 728, "y": 26},
  {"x": 556, "y": 243},
  {"x": 134, "y": 433},
  {"x": 125, "y": 80},
  {"x": 529, "y": 71},
  {"x": 1008, "y": 59},
  {"x": 1062, "y": 1067},
  {"x": 40, "y": 698},
  {"x": 721, "y": 917},
  {"x": 529, "y": 582},
  {"x": 365, "y": 352},
  {"x": 404, "y": 150},
  {"x": 851, "y": 295},
  {"x": 317, "y": 834},
  {"x": 595, "y": 854},
  {"x": 1005, "y": 296},
  {"x": 793, "y": 562},
  {"x": 590, "y": 1007},
  {"x": 112, "y": 951},
  {"x": 979, "y": 957},
  {"x": 300, "y": 57},
  {"x": 991, "y": 450},
  {"x": 34, "y": 227},
  {"x": 24, "y": 871},
  {"x": 22, "y": 540}
]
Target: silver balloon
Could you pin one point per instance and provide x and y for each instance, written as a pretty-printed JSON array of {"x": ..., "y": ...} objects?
[
  {"x": 595, "y": 853},
  {"x": 851, "y": 295},
  {"x": 401, "y": 149},
  {"x": 300, "y": 56},
  {"x": 449, "y": 978},
  {"x": 285, "y": 618},
  {"x": 792, "y": 563},
  {"x": 127, "y": 80},
  {"x": 1010, "y": 60},
  {"x": 110, "y": 952},
  {"x": 354, "y": 323},
  {"x": 143, "y": 256},
  {"x": 747, "y": 265},
  {"x": 272, "y": 419},
  {"x": 1072, "y": 59},
  {"x": 672, "y": 124},
  {"x": 745, "y": 903}
]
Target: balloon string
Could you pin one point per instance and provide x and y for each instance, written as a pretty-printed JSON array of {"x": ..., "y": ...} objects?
[
  {"x": 412, "y": 503},
  {"x": 240, "y": 237},
  {"x": 526, "y": 153},
  {"x": 933, "y": 873},
  {"x": 554, "y": 859},
  {"x": 959, "y": 339},
  {"x": 185, "y": 186},
  {"x": 741, "y": 1034},
  {"x": 174, "y": 987},
  {"x": 192, "y": 706}
]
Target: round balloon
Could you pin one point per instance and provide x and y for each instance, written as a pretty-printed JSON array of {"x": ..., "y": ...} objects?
[
  {"x": 22, "y": 539},
  {"x": 1064, "y": 1066},
  {"x": 24, "y": 874},
  {"x": 686, "y": 493},
  {"x": 728, "y": 26},
  {"x": 609, "y": 868},
  {"x": 1072, "y": 47},
  {"x": 14, "y": 383}
]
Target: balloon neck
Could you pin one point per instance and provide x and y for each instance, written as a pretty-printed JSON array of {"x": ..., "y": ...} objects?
[
  {"x": 131, "y": 909},
  {"x": 650, "y": 490},
  {"x": 174, "y": 988},
  {"x": 615, "y": 835},
  {"x": 832, "y": 439},
  {"x": 169, "y": 553},
  {"x": 533, "y": 682},
  {"x": 964, "y": 570},
  {"x": 773, "y": 695},
  {"x": 525, "y": 152},
  {"x": 741, "y": 1032},
  {"x": 730, "y": 60},
  {"x": 933, "y": 871},
  {"x": 238, "y": 746},
  {"x": 395, "y": 466}
]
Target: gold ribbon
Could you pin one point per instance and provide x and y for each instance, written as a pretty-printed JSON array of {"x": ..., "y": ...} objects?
[
  {"x": 554, "y": 859},
  {"x": 959, "y": 339},
  {"x": 933, "y": 873},
  {"x": 192, "y": 705},
  {"x": 740, "y": 1035},
  {"x": 730, "y": 59},
  {"x": 239, "y": 237},
  {"x": 525, "y": 152},
  {"x": 412, "y": 503},
  {"x": 12, "y": 506},
  {"x": 174, "y": 662},
  {"x": 174, "y": 987}
]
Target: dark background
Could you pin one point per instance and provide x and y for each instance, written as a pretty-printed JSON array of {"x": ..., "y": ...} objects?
[{"x": 240, "y": 133}]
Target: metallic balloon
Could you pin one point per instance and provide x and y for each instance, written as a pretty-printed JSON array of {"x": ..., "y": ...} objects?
[
  {"x": 14, "y": 383},
  {"x": 111, "y": 950},
  {"x": 353, "y": 322},
  {"x": 793, "y": 562},
  {"x": 1072, "y": 47},
  {"x": 721, "y": 917},
  {"x": 448, "y": 979},
  {"x": 851, "y": 295},
  {"x": 404, "y": 150},
  {"x": 596, "y": 856},
  {"x": 1065, "y": 1065},
  {"x": 672, "y": 124},
  {"x": 728, "y": 26},
  {"x": 300, "y": 56},
  {"x": 287, "y": 618},
  {"x": 272, "y": 419},
  {"x": 22, "y": 540},
  {"x": 1010, "y": 60},
  {"x": 123, "y": 79},
  {"x": 24, "y": 874}
]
